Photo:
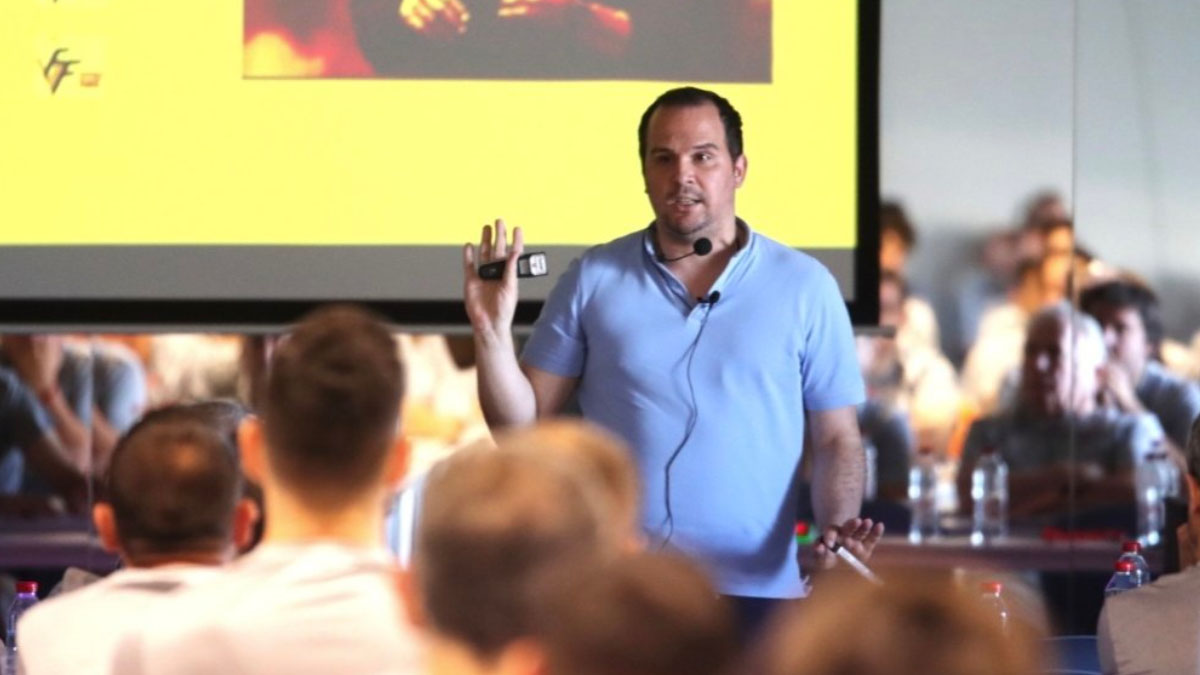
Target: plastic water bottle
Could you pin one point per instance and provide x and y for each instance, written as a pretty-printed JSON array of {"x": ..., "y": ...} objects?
[
  {"x": 989, "y": 493},
  {"x": 1132, "y": 551},
  {"x": 871, "y": 475},
  {"x": 26, "y": 598},
  {"x": 1168, "y": 473},
  {"x": 1150, "y": 490},
  {"x": 922, "y": 498},
  {"x": 991, "y": 595},
  {"x": 1122, "y": 579}
]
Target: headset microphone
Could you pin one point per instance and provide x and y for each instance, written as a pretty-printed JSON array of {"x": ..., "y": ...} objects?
[{"x": 700, "y": 247}]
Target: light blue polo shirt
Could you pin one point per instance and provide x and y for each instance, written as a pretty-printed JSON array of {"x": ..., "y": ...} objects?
[{"x": 778, "y": 342}]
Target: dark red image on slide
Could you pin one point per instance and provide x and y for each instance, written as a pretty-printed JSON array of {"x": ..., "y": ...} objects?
[{"x": 666, "y": 40}]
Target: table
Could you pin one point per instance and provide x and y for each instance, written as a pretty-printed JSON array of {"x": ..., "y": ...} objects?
[{"x": 52, "y": 543}]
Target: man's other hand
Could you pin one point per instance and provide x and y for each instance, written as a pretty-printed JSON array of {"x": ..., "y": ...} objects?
[{"x": 857, "y": 535}]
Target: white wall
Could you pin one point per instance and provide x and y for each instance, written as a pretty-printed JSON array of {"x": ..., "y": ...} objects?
[{"x": 980, "y": 106}]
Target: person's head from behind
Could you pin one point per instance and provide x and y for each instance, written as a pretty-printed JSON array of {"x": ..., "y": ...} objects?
[
  {"x": 1064, "y": 352},
  {"x": 173, "y": 493},
  {"x": 223, "y": 416},
  {"x": 897, "y": 237},
  {"x": 1129, "y": 313},
  {"x": 492, "y": 523},
  {"x": 328, "y": 439},
  {"x": 646, "y": 614},
  {"x": 919, "y": 623},
  {"x": 601, "y": 459},
  {"x": 690, "y": 147}
]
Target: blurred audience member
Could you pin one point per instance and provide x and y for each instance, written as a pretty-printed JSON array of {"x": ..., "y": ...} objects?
[
  {"x": 1060, "y": 381},
  {"x": 919, "y": 623},
  {"x": 1134, "y": 381},
  {"x": 1153, "y": 629},
  {"x": 887, "y": 436},
  {"x": 493, "y": 523},
  {"x": 897, "y": 238},
  {"x": 992, "y": 362},
  {"x": 905, "y": 375},
  {"x": 981, "y": 287},
  {"x": 172, "y": 509},
  {"x": 28, "y": 441},
  {"x": 647, "y": 614},
  {"x": 93, "y": 390},
  {"x": 601, "y": 459},
  {"x": 317, "y": 595}
]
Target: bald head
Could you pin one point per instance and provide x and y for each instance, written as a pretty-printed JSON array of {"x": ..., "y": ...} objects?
[{"x": 173, "y": 485}]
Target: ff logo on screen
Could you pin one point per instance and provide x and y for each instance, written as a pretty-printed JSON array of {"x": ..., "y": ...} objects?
[{"x": 60, "y": 66}]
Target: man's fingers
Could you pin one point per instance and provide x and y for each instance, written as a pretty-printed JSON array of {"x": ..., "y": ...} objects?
[
  {"x": 501, "y": 248},
  {"x": 485, "y": 244},
  {"x": 518, "y": 240},
  {"x": 510, "y": 268},
  {"x": 468, "y": 260}
]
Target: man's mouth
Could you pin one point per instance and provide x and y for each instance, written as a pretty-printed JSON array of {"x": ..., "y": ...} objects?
[{"x": 684, "y": 201}]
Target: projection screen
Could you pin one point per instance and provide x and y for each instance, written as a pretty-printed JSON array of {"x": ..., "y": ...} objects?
[{"x": 231, "y": 163}]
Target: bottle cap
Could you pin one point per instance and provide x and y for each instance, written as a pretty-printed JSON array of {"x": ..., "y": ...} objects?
[
  {"x": 1125, "y": 566},
  {"x": 27, "y": 587},
  {"x": 993, "y": 587},
  {"x": 1131, "y": 547}
]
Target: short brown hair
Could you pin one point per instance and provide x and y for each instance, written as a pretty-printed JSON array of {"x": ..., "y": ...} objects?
[
  {"x": 919, "y": 623},
  {"x": 600, "y": 457},
  {"x": 646, "y": 614},
  {"x": 492, "y": 521},
  {"x": 332, "y": 404}
]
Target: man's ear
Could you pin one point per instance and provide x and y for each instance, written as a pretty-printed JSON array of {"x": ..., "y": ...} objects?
[
  {"x": 523, "y": 656},
  {"x": 245, "y": 517},
  {"x": 106, "y": 527},
  {"x": 397, "y": 462},
  {"x": 252, "y": 448},
  {"x": 739, "y": 170},
  {"x": 410, "y": 598}
]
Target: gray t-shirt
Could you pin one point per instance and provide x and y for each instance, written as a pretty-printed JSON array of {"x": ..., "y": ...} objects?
[
  {"x": 1173, "y": 400},
  {"x": 306, "y": 608},
  {"x": 1112, "y": 439},
  {"x": 1152, "y": 630}
]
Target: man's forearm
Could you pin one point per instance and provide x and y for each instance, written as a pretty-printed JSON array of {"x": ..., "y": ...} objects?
[
  {"x": 837, "y": 485},
  {"x": 505, "y": 394}
]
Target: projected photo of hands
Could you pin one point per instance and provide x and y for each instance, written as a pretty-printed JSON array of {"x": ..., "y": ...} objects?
[{"x": 650, "y": 40}]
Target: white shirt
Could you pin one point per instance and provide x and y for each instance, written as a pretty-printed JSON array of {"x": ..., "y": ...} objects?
[
  {"x": 305, "y": 608},
  {"x": 76, "y": 633}
]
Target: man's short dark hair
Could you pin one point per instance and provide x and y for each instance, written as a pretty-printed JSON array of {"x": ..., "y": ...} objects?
[
  {"x": 1122, "y": 294},
  {"x": 647, "y": 614},
  {"x": 173, "y": 484},
  {"x": 332, "y": 404},
  {"x": 493, "y": 522},
  {"x": 690, "y": 97},
  {"x": 892, "y": 218}
]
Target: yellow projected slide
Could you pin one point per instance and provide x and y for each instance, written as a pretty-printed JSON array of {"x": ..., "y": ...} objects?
[{"x": 218, "y": 122}]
